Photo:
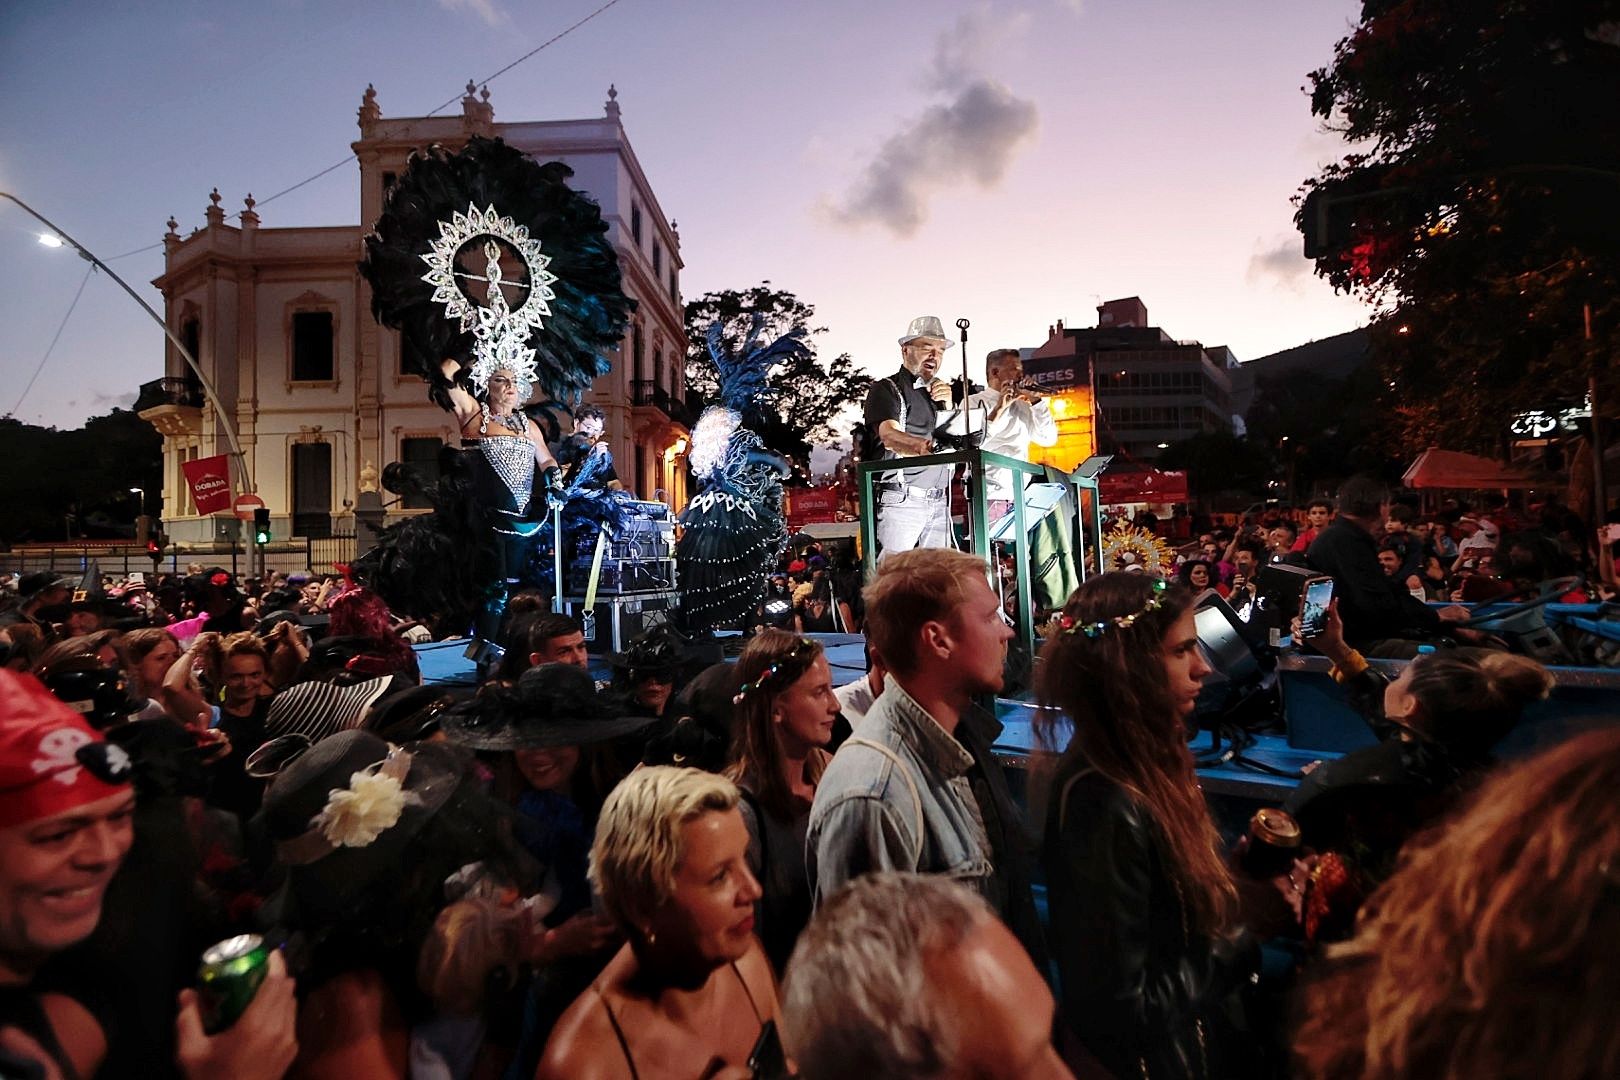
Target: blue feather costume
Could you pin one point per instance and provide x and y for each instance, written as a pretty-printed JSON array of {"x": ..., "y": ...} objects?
[{"x": 733, "y": 530}]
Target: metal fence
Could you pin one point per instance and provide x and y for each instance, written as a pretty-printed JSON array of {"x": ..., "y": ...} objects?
[{"x": 301, "y": 553}]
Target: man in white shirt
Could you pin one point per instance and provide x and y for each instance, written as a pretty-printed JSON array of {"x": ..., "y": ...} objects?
[
  {"x": 1012, "y": 417},
  {"x": 855, "y": 698}
]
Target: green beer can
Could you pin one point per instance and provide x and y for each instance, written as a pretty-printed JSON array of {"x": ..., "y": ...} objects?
[{"x": 228, "y": 978}]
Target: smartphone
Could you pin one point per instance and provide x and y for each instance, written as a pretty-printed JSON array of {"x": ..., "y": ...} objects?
[
  {"x": 1314, "y": 601},
  {"x": 767, "y": 1060}
]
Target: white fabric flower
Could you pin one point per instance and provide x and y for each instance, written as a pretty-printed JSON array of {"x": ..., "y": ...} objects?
[{"x": 357, "y": 815}]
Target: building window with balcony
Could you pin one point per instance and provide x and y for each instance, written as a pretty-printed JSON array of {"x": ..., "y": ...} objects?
[
  {"x": 674, "y": 289},
  {"x": 658, "y": 260},
  {"x": 421, "y": 456},
  {"x": 635, "y": 223},
  {"x": 312, "y": 346}
]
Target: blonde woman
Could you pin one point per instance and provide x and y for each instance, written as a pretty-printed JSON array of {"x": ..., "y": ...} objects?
[{"x": 691, "y": 993}]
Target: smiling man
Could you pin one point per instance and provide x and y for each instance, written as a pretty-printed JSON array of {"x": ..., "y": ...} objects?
[
  {"x": 902, "y": 412},
  {"x": 66, "y": 823}
]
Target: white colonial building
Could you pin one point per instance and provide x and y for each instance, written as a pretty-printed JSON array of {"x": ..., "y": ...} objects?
[{"x": 280, "y": 322}]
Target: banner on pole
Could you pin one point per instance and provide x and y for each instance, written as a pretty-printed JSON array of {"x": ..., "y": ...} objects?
[{"x": 210, "y": 480}]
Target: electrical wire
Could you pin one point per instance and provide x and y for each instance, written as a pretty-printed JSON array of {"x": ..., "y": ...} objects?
[
  {"x": 452, "y": 100},
  {"x": 54, "y": 339}
]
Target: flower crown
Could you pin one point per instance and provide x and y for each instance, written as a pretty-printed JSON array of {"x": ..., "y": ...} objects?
[
  {"x": 1094, "y": 630},
  {"x": 804, "y": 646}
]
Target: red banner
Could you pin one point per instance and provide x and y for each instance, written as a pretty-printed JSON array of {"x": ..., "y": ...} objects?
[
  {"x": 809, "y": 505},
  {"x": 210, "y": 480},
  {"x": 1142, "y": 486}
]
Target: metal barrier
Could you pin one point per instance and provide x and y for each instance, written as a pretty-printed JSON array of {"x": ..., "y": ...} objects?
[{"x": 1086, "y": 511}]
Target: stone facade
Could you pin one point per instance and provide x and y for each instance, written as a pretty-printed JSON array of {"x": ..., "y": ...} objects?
[{"x": 280, "y": 322}]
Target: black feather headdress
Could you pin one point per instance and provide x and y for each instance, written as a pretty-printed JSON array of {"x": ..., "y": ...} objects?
[{"x": 586, "y": 310}]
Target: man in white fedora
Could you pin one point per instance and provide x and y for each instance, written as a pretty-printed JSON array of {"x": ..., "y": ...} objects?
[{"x": 902, "y": 413}]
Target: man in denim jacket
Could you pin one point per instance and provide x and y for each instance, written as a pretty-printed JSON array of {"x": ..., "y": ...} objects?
[{"x": 916, "y": 787}]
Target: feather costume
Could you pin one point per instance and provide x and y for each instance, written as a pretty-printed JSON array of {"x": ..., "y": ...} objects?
[
  {"x": 733, "y": 529},
  {"x": 489, "y": 258}
]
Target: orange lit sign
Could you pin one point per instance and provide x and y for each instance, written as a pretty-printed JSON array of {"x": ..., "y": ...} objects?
[{"x": 1073, "y": 409}]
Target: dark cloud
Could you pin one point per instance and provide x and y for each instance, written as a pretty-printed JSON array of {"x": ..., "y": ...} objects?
[
  {"x": 971, "y": 138},
  {"x": 1282, "y": 262},
  {"x": 100, "y": 399}
]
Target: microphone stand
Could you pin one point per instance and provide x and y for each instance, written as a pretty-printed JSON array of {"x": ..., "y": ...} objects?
[{"x": 968, "y": 476}]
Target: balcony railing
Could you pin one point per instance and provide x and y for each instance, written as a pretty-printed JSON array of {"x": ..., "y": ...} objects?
[
  {"x": 175, "y": 391},
  {"x": 646, "y": 392}
]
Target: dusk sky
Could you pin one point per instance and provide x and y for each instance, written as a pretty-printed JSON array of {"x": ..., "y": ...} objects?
[{"x": 1013, "y": 163}]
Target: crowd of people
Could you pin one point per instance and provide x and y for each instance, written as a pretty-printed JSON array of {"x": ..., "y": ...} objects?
[
  {"x": 707, "y": 868},
  {"x": 1458, "y": 554}
]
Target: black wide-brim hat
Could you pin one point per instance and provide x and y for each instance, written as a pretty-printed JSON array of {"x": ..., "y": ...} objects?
[
  {"x": 552, "y": 705},
  {"x": 30, "y": 585},
  {"x": 662, "y": 649},
  {"x": 325, "y": 889}
]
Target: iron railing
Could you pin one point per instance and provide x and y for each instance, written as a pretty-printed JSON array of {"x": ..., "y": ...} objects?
[{"x": 173, "y": 391}]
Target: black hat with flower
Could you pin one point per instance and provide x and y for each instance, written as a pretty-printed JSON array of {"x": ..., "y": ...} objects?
[{"x": 343, "y": 813}]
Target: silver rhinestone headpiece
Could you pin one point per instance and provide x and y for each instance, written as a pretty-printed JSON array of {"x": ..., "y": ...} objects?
[{"x": 500, "y": 331}]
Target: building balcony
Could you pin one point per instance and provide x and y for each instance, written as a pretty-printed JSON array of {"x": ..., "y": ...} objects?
[
  {"x": 647, "y": 394},
  {"x": 172, "y": 406}
]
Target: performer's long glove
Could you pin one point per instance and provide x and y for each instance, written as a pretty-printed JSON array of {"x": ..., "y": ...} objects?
[{"x": 556, "y": 495}]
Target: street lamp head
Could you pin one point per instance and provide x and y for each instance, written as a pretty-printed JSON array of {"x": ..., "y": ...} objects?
[
  {"x": 50, "y": 240},
  {"x": 137, "y": 491}
]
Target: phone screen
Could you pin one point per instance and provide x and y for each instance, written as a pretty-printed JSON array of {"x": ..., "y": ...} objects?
[{"x": 1314, "y": 610}]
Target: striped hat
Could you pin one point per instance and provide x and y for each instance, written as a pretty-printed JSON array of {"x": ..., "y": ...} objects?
[{"x": 318, "y": 709}]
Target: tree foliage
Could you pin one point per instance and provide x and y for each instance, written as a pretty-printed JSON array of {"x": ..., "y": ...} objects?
[
  {"x": 1476, "y": 208},
  {"x": 1323, "y": 429},
  {"x": 806, "y": 394},
  {"x": 1218, "y": 461},
  {"x": 84, "y": 474}
]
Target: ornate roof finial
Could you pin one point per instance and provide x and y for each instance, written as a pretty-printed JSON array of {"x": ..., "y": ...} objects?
[
  {"x": 370, "y": 111},
  {"x": 612, "y": 108},
  {"x": 472, "y": 88},
  {"x": 248, "y": 202},
  {"x": 214, "y": 214},
  {"x": 484, "y": 93},
  {"x": 173, "y": 226},
  {"x": 214, "y": 196},
  {"x": 250, "y": 220}
]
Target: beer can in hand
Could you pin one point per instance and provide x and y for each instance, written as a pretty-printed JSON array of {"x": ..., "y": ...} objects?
[
  {"x": 1274, "y": 843},
  {"x": 229, "y": 977}
]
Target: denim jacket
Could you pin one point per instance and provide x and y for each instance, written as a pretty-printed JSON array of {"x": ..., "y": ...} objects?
[{"x": 865, "y": 818}]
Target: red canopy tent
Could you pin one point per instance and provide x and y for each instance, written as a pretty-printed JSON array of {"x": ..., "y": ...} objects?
[
  {"x": 1141, "y": 484},
  {"x": 1437, "y": 468}
]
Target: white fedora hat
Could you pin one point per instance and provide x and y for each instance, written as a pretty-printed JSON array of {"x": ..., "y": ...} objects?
[{"x": 926, "y": 326}]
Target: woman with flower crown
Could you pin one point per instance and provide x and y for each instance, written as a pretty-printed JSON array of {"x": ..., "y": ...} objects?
[
  {"x": 783, "y": 721},
  {"x": 1144, "y": 910}
]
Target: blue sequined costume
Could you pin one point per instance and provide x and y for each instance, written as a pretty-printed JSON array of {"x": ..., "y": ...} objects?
[{"x": 733, "y": 530}]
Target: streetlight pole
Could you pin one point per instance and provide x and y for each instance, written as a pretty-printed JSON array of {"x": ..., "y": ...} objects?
[{"x": 196, "y": 369}]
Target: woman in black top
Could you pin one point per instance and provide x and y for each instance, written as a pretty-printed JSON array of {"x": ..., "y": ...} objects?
[{"x": 1143, "y": 907}]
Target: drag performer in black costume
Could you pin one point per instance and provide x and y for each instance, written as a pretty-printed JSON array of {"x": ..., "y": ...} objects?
[
  {"x": 501, "y": 280},
  {"x": 505, "y": 451},
  {"x": 733, "y": 529}
]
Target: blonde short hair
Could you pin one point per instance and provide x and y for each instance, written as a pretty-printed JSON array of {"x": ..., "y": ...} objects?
[
  {"x": 912, "y": 588},
  {"x": 638, "y": 836}
]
